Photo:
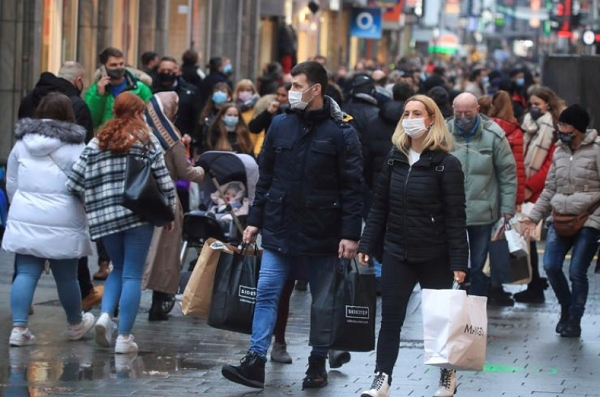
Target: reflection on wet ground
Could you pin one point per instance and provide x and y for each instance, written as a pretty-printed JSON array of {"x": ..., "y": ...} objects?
[{"x": 34, "y": 371}]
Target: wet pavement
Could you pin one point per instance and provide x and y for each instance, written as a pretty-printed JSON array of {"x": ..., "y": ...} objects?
[{"x": 183, "y": 356}]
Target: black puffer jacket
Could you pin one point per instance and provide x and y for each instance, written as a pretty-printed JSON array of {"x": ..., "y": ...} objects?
[
  {"x": 362, "y": 108},
  {"x": 50, "y": 83},
  {"x": 419, "y": 211},
  {"x": 308, "y": 193},
  {"x": 378, "y": 142}
]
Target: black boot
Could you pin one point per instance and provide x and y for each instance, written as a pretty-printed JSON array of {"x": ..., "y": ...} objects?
[
  {"x": 499, "y": 297},
  {"x": 250, "y": 372},
  {"x": 533, "y": 294},
  {"x": 337, "y": 358},
  {"x": 564, "y": 319},
  {"x": 572, "y": 329},
  {"x": 156, "y": 312},
  {"x": 316, "y": 374}
]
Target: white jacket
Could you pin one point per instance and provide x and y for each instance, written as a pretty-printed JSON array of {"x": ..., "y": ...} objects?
[{"x": 44, "y": 219}]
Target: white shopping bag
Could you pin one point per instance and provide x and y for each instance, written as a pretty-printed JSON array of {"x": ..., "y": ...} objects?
[{"x": 454, "y": 329}]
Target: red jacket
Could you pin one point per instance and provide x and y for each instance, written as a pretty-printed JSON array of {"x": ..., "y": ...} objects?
[
  {"x": 537, "y": 181},
  {"x": 514, "y": 134}
]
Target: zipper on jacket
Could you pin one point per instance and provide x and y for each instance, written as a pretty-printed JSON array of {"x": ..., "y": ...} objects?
[
  {"x": 405, "y": 207},
  {"x": 434, "y": 225}
]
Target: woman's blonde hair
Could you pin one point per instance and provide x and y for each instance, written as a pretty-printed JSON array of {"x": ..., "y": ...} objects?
[
  {"x": 438, "y": 136},
  {"x": 244, "y": 84}
]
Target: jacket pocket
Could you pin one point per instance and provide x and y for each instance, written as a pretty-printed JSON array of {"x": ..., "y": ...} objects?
[
  {"x": 322, "y": 164},
  {"x": 322, "y": 215},
  {"x": 273, "y": 213}
]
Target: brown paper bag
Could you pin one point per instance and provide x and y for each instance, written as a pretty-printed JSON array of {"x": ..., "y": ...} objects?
[{"x": 198, "y": 292}]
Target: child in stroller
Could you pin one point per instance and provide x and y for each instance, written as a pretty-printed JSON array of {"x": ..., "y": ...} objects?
[{"x": 233, "y": 194}]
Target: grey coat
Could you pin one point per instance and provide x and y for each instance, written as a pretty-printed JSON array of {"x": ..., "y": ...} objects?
[{"x": 573, "y": 182}]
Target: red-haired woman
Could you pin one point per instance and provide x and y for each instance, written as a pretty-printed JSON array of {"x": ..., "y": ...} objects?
[
  {"x": 99, "y": 177},
  {"x": 229, "y": 132}
]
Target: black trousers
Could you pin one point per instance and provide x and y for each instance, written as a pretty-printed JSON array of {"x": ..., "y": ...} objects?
[{"x": 398, "y": 279}]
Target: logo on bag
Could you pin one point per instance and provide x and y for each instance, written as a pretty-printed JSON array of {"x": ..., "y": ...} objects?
[
  {"x": 247, "y": 294},
  {"x": 471, "y": 330},
  {"x": 357, "y": 314}
]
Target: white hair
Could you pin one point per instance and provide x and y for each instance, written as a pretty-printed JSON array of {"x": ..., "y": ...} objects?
[{"x": 71, "y": 70}]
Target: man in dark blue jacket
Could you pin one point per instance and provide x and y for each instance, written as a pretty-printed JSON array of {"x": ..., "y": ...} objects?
[{"x": 307, "y": 206}]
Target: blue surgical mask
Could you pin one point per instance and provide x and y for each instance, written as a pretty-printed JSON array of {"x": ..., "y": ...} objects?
[
  {"x": 227, "y": 69},
  {"x": 219, "y": 97},
  {"x": 520, "y": 81},
  {"x": 231, "y": 121}
]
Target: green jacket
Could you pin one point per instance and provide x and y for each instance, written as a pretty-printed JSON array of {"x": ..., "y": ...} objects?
[
  {"x": 101, "y": 106},
  {"x": 490, "y": 171}
]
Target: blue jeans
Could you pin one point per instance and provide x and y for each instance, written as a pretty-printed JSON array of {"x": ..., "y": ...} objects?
[
  {"x": 479, "y": 243},
  {"x": 584, "y": 245},
  {"x": 127, "y": 250},
  {"x": 29, "y": 269},
  {"x": 274, "y": 270}
]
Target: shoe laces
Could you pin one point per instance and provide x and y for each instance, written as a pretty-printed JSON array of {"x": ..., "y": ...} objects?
[
  {"x": 446, "y": 378},
  {"x": 379, "y": 381}
]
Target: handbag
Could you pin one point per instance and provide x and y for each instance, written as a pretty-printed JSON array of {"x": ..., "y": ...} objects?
[
  {"x": 198, "y": 291},
  {"x": 568, "y": 225},
  {"x": 343, "y": 310},
  {"x": 454, "y": 329},
  {"x": 234, "y": 290},
  {"x": 141, "y": 193}
]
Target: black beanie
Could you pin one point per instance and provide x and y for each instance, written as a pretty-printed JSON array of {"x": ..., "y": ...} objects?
[{"x": 576, "y": 116}]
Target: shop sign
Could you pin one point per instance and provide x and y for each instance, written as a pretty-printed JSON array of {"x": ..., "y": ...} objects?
[{"x": 365, "y": 22}]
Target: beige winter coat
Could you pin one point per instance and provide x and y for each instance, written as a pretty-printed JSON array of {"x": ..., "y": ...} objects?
[
  {"x": 163, "y": 265},
  {"x": 573, "y": 182}
]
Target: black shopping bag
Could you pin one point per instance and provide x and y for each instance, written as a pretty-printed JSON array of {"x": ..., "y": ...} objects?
[
  {"x": 507, "y": 267},
  {"x": 343, "y": 311},
  {"x": 234, "y": 290}
]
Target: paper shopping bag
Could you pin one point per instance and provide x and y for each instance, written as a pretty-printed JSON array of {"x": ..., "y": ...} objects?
[
  {"x": 454, "y": 329},
  {"x": 234, "y": 290},
  {"x": 198, "y": 291},
  {"x": 343, "y": 312}
]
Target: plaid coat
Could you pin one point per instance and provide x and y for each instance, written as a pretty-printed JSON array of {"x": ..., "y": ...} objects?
[{"x": 99, "y": 178}]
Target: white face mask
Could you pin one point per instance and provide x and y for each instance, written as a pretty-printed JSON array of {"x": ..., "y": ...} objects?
[
  {"x": 415, "y": 128},
  {"x": 295, "y": 99}
]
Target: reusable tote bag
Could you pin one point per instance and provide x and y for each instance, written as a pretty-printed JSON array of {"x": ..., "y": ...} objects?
[
  {"x": 454, "y": 329},
  {"x": 343, "y": 312},
  {"x": 198, "y": 291},
  {"x": 234, "y": 290}
]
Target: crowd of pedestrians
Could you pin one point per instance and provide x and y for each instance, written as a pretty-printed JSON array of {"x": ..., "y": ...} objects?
[{"x": 428, "y": 157}]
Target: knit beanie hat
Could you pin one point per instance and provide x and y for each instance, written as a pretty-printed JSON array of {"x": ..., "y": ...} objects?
[{"x": 576, "y": 116}]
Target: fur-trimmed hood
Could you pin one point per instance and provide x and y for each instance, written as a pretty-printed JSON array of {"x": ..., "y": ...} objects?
[{"x": 43, "y": 136}]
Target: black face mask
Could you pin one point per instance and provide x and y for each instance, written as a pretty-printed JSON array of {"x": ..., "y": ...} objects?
[
  {"x": 565, "y": 137},
  {"x": 115, "y": 74},
  {"x": 535, "y": 112},
  {"x": 167, "y": 78}
]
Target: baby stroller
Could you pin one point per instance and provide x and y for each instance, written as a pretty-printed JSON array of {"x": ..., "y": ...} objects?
[{"x": 199, "y": 225}]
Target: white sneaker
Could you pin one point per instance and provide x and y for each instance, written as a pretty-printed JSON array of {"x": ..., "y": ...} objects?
[
  {"x": 104, "y": 330},
  {"x": 380, "y": 386},
  {"x": 447, "y": 383},
  {"x": 76, "y": 332},
  {"x": 21, "y": 338},
  {"x": 125, "y": 345}
]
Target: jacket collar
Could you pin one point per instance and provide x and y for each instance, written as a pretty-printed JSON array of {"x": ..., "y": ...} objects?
[{"x": 427, "y": 158}]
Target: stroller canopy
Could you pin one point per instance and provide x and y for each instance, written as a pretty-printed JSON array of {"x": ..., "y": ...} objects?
[{"x": 230, "y": 166}]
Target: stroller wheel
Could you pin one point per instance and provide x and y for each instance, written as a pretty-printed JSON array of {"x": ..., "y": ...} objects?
[{"x": 168, "y": 304}]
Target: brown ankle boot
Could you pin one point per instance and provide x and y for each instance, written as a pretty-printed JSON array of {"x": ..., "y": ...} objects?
[{"x": 102, "y": 273}]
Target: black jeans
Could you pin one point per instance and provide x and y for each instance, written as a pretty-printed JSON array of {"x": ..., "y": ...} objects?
[{"x": 398, "y": 279}]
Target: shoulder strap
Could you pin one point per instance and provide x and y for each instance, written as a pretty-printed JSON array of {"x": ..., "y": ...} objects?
[{"x": 61, "y": 168}]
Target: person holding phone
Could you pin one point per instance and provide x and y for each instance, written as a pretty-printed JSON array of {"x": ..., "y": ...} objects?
[{"x": 114, "y": 79}]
